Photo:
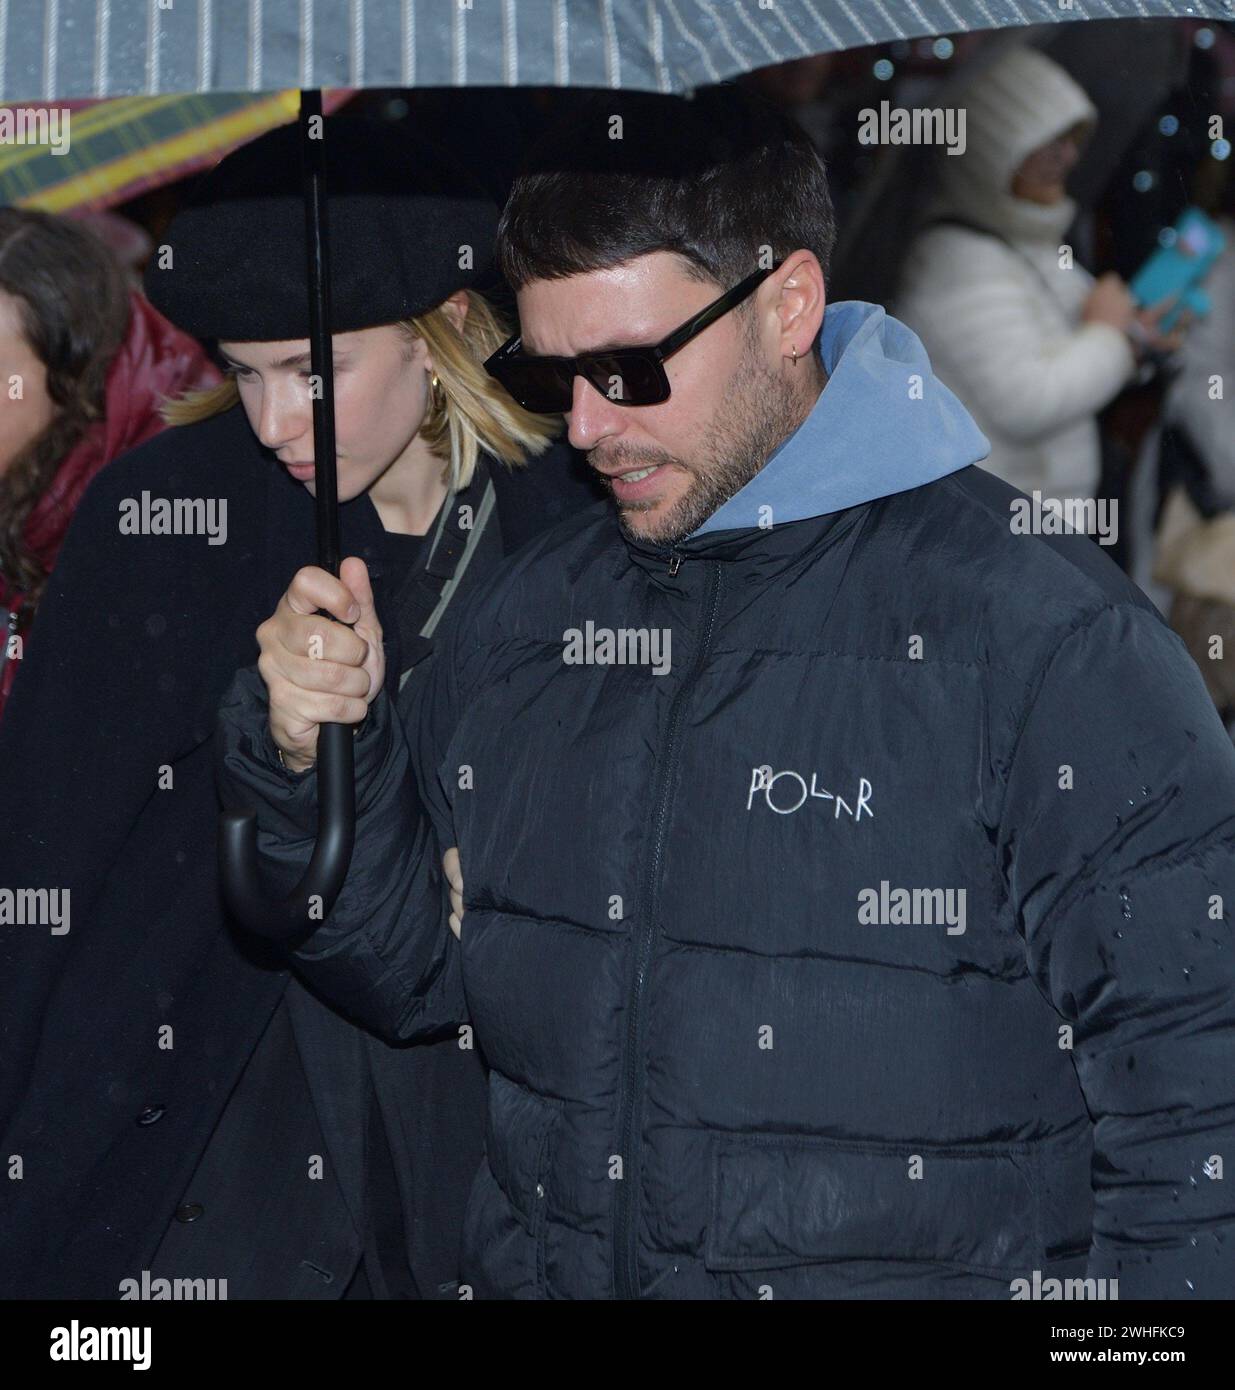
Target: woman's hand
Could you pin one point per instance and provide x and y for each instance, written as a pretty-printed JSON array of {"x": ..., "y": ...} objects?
[
  {"x": 1109, "y": 301},
  {"x": 1146, "y": 330},
  {"x": 317, "y": 671}
]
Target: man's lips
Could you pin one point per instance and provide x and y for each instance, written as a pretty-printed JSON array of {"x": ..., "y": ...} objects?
[
  {"x": 298, "y": 468},
  {"x": 629, "y": 486}
]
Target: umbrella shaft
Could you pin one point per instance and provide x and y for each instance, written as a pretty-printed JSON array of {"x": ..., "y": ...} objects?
[{"x": 312, "y": 138}]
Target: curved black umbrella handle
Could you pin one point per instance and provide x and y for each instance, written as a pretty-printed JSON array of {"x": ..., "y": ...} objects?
[{"x": 313, "y": 897}]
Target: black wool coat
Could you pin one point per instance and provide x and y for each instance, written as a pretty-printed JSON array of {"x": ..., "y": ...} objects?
[{"x": 122, "y": 1039}]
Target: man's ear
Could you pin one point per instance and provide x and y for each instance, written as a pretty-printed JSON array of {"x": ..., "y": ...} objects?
[{"x": 801, "y": 300}]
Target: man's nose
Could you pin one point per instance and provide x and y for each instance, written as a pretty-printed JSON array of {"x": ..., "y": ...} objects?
[{"x": 592, "y": 417}]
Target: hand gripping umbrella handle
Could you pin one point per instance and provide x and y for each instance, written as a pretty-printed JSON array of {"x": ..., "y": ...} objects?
[{"x": 313, "y": 897}]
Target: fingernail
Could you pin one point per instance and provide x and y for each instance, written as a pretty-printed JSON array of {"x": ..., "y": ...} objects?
[{"x": 353, "y": 613}]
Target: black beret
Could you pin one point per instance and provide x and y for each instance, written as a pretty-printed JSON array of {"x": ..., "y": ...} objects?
[{"x": 401, "y": 220}]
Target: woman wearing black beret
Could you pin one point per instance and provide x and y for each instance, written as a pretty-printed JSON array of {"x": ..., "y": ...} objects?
[{"x": 181, "y": 1108}]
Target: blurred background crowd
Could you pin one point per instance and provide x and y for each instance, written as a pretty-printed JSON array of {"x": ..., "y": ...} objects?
[{"x": 1016, "y": 261}]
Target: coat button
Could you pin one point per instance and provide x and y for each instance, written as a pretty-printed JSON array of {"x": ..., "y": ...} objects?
[
  {"x": 150, "y": 1114},
  {"x": 540, "y": 1189},
  {"x": 190, "y": 1211}
]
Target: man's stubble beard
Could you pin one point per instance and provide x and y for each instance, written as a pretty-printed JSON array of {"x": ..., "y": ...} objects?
[{"x": 755, "y": 416}]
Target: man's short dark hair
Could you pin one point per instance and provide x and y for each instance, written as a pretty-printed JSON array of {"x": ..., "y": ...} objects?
[{"x": 720, "y": 179}]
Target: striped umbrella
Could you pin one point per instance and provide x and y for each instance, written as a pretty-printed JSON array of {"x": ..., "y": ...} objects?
[
  {"x": 129, "y": 145},
  {"x": 95, "y": 48}
]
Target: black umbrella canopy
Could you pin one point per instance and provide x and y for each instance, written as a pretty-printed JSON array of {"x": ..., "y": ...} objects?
[{"x": 100, "y": 48}]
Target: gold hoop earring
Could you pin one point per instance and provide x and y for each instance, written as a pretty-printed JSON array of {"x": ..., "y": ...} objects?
[
  {"x": 437, "y": 393},
  {"x": 795, "y": 357}
]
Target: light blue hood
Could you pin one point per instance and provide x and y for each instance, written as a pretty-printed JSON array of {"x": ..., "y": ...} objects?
[{"x": 873, "y": 432}]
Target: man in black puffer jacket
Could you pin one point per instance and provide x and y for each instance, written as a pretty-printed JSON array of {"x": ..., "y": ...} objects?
[{"x": 847, "y": 866}]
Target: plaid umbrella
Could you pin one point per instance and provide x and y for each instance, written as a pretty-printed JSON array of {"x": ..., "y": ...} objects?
[
  {"x": 79, "y": 48},
  {"x": 124, "y": 147}
]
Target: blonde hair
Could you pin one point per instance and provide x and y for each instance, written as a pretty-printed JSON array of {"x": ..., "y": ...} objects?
[{"x": 470, "y": 412}]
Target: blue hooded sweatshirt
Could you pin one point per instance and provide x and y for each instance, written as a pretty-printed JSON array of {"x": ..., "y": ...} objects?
[{"x": 883, "y": 424}]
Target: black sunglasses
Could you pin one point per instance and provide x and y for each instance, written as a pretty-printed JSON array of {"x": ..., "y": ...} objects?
[{"x": 628, "y": 376}]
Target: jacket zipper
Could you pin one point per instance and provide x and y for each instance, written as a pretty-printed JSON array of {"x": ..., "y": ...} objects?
[{"x": 626, "y": 1230}]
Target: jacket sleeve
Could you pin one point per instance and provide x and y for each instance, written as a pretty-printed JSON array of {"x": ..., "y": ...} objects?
[
  {"x": 385, "y": 955},
  {"x": 1118, "y": 846}
]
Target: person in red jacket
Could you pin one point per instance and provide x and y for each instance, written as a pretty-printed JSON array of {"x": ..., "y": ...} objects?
[{"x": 85, "y": 364}]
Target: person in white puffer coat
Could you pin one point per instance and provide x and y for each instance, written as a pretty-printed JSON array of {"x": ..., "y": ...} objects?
[{"x": 1021, "y": 332}]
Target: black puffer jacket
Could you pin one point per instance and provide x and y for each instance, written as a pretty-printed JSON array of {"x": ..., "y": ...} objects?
[{"x": 730, "y": 1056}]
